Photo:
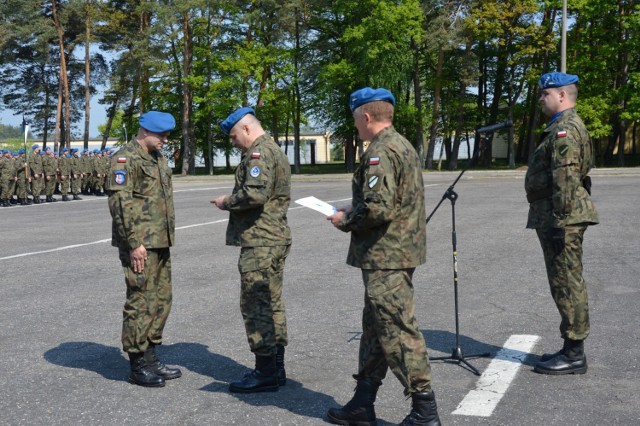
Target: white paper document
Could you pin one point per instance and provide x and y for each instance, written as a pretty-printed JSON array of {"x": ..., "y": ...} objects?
[{"x": 317, "y": 205}]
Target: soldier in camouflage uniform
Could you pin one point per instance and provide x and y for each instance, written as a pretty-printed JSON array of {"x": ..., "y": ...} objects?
[
  {"x": 258, "y": 223},
  {"x": 8, "y": 178},
  {"x": 387, "y": 222},
  {"x": 37, "y": 173},
  {"x": 50, "y": 168},
  {"x": 64, "y": 173},
  {"x": 99, "y": 171},
  {"x": 141, "y": 205},
  {"x": 24, "y": 178},
  {"x": 77, "y": 173},
  {"x": 558, "y": 190}
]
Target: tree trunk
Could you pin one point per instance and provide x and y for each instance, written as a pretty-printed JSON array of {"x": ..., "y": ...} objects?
[
  {"x": 63, "y": 74},
  {"x": 433, "y": 131},
  {"x": 188, "y": 157},
  {"x": 87, "y": 79}
]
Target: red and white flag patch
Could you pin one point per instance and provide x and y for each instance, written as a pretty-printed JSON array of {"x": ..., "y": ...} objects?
[
  {"x": 122, "y": 159},
  {"x": 374, "y": 161},
  {"x": 562, "y": 134},
  {"x": 255, "y": 155}
]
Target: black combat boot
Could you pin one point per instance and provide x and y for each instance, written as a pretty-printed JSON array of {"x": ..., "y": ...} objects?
[
  {"x": 424, "y": 411},
  {"x": 282, "y": 374},
  {"x": 5, "y": 203},
  {"x": 546, "y": 357},
  {"x": 65, "y": 197},
  {"x": 75, "y": 197},
  {"x": 24, "y": 202},
  {"x": 36, "y": 200},
  {"x": 570, "y": 360},
  {"x": 49, "y": 199},
  {"x": 141, "y": 374},
  {"x": 264, "y": 378},
  {"x": 360, "y": 410},
  {"x": 155, "y": 365}
]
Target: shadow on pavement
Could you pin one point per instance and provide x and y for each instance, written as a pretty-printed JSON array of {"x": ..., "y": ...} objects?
[{"x": 445, "y": 341}]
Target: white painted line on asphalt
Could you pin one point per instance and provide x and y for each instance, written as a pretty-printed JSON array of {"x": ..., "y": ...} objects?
[
  {"x": 495, "y": 380},
  {"x": 55, "y": 249},
  {"x": 108, "y": 240}
]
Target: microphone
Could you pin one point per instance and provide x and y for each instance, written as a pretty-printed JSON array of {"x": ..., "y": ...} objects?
[{"x": 494, "y": 127}]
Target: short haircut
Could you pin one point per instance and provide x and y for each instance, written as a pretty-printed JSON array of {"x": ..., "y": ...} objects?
[
  {"x": 572, "y": 92},
  {"x": 378, "y": 110}
]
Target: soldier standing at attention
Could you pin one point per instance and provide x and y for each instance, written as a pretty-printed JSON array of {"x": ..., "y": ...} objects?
[
  {"x": 24, "y": 178},
  {"x": 50, "y": 168},
  {"x": 141, "y": 206},
  {"x": 77, "y": 173},
  {"x": 37, "y": 177},
  {"x": 258, "y": 223},
  {"x": 64, "y": 168},
  {"x": 7, "y": 178},
  {"x": 387, "y": 221},
  {"x": 558, "y": 190}
]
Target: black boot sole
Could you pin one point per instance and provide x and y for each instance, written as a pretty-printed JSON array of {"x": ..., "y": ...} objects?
[
  {"x": 337, "y": 421},
  {"x": 270, "y": 388},
  {"x": 579, "y": 370},
  {"x": 147, "y": 385}
]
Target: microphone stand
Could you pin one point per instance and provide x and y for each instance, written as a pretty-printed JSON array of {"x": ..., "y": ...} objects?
[{"x": 456, "y": 354}]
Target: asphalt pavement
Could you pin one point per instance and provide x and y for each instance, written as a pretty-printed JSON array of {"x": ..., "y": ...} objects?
[{"x": 62, "y": 292}]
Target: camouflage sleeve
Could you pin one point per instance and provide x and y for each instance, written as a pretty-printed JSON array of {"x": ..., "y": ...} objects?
[
  {"x": 566, "y": 174},
  {"x": 254, "y": 189},
  {"x": 378, "y": 186},
  {"x": 121, "y": 205}
]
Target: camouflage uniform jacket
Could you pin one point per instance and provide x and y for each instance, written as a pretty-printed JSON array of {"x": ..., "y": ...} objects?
[
  {"x": 64, "y": 165},
  {"x": 556, "y": 171},
  {"x": 388, "y": 220},
  {"x": 49, "y": 165},
  {"x": 35, "y": 164},
  {"x": 141, "y": 199},
  {"x": 261, "y": 196},
  {"x": 8, "y": 168},
  {"x": 75, "y": 164}
]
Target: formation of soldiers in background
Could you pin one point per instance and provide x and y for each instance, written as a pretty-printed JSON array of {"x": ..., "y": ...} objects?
[{"x": 44, "y": 173}]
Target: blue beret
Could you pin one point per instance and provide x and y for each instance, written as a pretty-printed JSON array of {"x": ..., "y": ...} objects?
[
  {"x": 157, "y": 122},
  {"x": 556, "y": 79},
  {"x": 35, "y": 146},
  {"x": 234, "y": 117},
  {"x": 74, "y": 150},
  {"x": 21, "y": 151},
  {"x": 48, "y": 148},
  {"x": 65, "y": 149},
  {"x": 366, "y": 95}
]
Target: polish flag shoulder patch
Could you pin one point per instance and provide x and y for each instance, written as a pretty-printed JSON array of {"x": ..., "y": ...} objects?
[
  {"x": 122, "y": 159},
  {"x": 562, "y": 134},
  {"x": 255, "y": 155},
  {"x": 374, "y": 161}
]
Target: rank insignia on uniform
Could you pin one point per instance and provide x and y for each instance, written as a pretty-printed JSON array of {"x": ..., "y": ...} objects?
[
  {"x": 562, "y": 134},
  {"x": 255, "y": 155},
  {"x": 122, "y": 159},
  {"x": 374, "y": 161},
  {"x": 119, "y": 177},
  {"x": 373, "y": 180},
  {"x": 563, "y": 150},
  {"x": 255, "y": 172}
]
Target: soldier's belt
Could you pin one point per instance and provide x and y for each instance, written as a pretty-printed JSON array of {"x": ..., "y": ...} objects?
[{"x": 539, "y": 195}]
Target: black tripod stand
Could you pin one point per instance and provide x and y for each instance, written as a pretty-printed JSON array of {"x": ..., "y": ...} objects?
[{"x": 457, "y": 355}]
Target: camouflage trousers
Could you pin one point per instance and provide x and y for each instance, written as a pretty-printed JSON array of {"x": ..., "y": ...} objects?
[
  {"x": 261, "y": 303},
  {"x": 37, "y": 185},
  {"x": 50, "y": 186},
  {"x": 568, "y": 289},
  {"x": 76, "y": 185},
  {"x": 391, "y": 337},
  {"x": 149, "y": 298},
  {"x": 7, "y": 188},
  {"x": 21, "y": 187},
  {"x": 64, "y": 185}
]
